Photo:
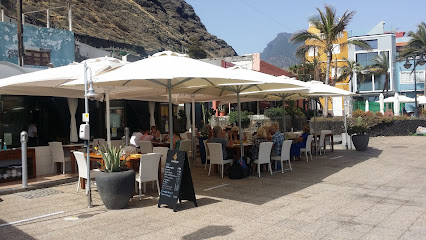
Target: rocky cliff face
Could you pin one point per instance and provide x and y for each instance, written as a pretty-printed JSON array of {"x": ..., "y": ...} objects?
[
  {"x": 152, "y": 24},
  {"x": 280, "y": 52}
]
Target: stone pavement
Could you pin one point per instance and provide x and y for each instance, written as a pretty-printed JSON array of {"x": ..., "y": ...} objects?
[{"x": 377, "y": 194}]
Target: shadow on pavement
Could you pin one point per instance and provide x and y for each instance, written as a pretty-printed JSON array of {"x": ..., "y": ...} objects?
[
  {"x": 11, "y": 232},
  {"x": 209, "y": 232},
  {"x": 267, "y": 188}
]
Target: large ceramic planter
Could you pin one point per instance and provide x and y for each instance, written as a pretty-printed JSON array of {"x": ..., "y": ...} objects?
[
  {"x": 360, "y": 141},
  {"x": 116, "y": 188}
]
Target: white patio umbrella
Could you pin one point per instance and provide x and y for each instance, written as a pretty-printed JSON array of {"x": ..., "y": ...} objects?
[
  {"x": 49, "y": 82},
  {"x": 421, "y": 100},
  {"x": 169, "y": 71},
  {"x": 382, "y": 103},
  {"x": 396, "y": 107},
  {"x": 267, "y": 82},
  {"x": 367, "y": 106},
  {"x": 401, "y": 98}
]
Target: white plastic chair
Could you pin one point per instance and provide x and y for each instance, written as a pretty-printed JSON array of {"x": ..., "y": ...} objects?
[
  {"x": 145, "y": 146},
  {"x": 82, "y": 168},
  {"x": 129, "y": 150},
  {"x": 285, "y": 155},
  {"x": 307, "y": 149},
  {"x": 264, "y": 156},
  {"x": 207, "y": 153},
  {"x": 216, "y": 156},
  {"x": 58, "y": 155},
  {"x": 188, "y": 135},
  {"x": 148, "y": 171},
  {"x": 185, "y": 145},
  {"x": 183, "y": 136},
  {"x": 322, "y": 143},
  {"x": 163, "y": 151}
]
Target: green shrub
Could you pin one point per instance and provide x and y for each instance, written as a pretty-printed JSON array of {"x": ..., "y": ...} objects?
[
  {"x": 358, "y": 113},
  {"x": 245, "y": 120},
  {"x": 359, "y": 127},
  {"x": 273, "y": 113}
]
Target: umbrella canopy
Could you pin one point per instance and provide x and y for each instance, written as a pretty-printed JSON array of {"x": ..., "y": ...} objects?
[
  {"x": 396, "y": 107},
  {"x": 401, "y": 99},
  {"x": 382, "y": 103},
  {"x": 421, "y": 100},
  {"x": 169, "y": 71}
]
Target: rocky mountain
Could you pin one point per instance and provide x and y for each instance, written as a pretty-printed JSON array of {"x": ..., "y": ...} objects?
[
  {"x": 280, "y": 52},
  {"x": 152, "y": 25}
]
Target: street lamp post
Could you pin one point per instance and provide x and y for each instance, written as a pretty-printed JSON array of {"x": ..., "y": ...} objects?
[
  {"x": 89, "y": 93},
  {"x": 421, "y": 61}
]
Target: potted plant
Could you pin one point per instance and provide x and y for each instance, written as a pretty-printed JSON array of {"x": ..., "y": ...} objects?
[
  {"x": 359, "y": 133},
  {"x": 116, "y": 183},
  {"x": 222, "y": 110}
]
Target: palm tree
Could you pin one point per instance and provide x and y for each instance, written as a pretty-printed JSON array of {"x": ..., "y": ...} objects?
[
  {"x": 331, "y": 27},
  {"x": 348, "y": 70},
  {"x": 417, "y": 44},
  {"x": 381, "y": 66}
]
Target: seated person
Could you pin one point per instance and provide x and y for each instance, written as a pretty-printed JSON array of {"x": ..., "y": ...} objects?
[
  {"x": 260, "y": 138},
  {"x": 299, "y": 143},
  {"x": 277, "y": 138},
  {"x": 146, "y": 136},
  {"x": 235, "y": 136},
  {"x": 135, "y": 138},
  {"x": 176, "y": 139},
  {"x": 155, "y": 133},
  {"x": 219, "y": 137}
]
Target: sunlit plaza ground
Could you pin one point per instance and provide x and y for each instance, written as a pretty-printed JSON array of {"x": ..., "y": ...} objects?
[{"x": 377, "y": 194}]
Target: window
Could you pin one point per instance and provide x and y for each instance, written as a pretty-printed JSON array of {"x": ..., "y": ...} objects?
[
  {"x": 379, "y": 82},
  {"x": 365, "y": 59},
  {"x": 336, "y": 48},
  {"x": 408, "y": 77},
  {"x": 367, "y": 84},
  {"x": 313, "y": 52},
  {"x": 371, "y": 43},
  {"x": 37, "y": 58}
]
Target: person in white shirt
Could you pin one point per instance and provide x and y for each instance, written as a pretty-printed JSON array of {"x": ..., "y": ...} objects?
[
  {"x": 32, "y": 135},
  {"x": 136, "y": 137}
]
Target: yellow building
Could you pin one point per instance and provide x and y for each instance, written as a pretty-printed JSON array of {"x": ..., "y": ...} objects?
[{"x": 340, "y": 52}]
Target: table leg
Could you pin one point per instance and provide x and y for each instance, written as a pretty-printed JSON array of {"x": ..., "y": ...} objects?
[
  {"x": 72, "y": 157},
  {"x": 82, "y": 183},
  {"x": 332, "y": 143}
]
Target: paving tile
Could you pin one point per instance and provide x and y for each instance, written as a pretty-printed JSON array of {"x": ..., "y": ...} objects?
[
  {"x": 349, "y": 231},
  {"x": 381, "y": 233}
]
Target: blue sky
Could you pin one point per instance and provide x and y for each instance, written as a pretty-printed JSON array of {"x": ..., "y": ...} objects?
[{"x": 249, "y": 25}]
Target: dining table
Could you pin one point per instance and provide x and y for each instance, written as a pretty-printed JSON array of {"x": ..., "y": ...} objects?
[{"x": 236, "y": 148}]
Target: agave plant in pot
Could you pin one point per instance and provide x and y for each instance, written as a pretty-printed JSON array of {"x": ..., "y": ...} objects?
[
  {"x": 115, "y": 183},
  {"x": 359, "y": 132}
]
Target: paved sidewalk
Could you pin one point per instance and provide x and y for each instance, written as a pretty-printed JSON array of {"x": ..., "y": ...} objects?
[{"x": 377, "y": 194}]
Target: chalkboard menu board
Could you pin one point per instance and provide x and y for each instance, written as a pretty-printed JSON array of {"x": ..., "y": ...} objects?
[{"x": 177, "y": 181}]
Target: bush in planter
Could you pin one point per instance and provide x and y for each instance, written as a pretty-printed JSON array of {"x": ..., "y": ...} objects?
[
  {"x": 245, "y": 120},
  {"x": 359, "y": 131},
  {"x": 116, "y": 183}
]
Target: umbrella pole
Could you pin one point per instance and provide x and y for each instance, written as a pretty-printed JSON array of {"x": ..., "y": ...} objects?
[
  {"x": 315, "y": 128},
  {"x": 86, "y": 142},
  {"x": 108, "y": 117},
  {"x": 193, "y": 127},
  {"x": 346, "y": 124},
  {"x": 284, "y": 123},
  {"x": 169, "y": 86},
  {"x": 239, "y": 125}
]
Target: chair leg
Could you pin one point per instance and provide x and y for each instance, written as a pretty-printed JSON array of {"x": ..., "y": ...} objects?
[
  {"x": 289, "y": 164},
  {"x": 282, "y": 166},
  {"x": 311, "y": 156},
  {"x": 222, "y": 170},
  {"x": 140, "y": 191},
  {"x": 210, "y": 168},
  {"x": 205, "y": 164},
  {"x": 63, "y": 168},
  {"x": 306, "y": 155},
  {"x": 258, "y": 168},
  {"x": 158, "y": 188},
  {"x": 78, "y": 184},
  {"x": 270, "y": 168},
  {"x": 53, "y": 166}
]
